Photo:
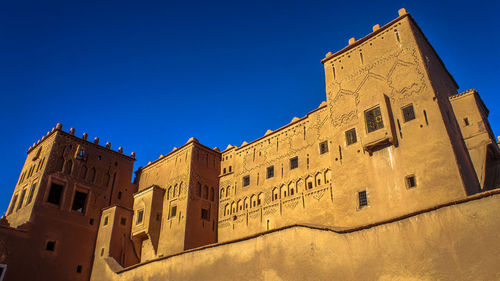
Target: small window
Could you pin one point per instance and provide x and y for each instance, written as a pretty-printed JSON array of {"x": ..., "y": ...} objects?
[
  {"x": 55, "y": 194},
  {"x": 323, "y": 147},
  {"x": 224, "y": 171},
  {"x": 79, "y": 269},
  {"x": 294, "y": 162},
  {"x": 466, "y": 121},
  {"x": 123, "y": 221},
  {"x": 79, "y": 202},
  {"x": 309, "y": 185},
  {"x": 205, "y": 214},
  {"x": 80, "y": 153},
  {"x": 173, "y": 211},
  {"x": 270, "y": 172},
  {"x": 32, "y": 192},
  {"x": 140, "y": 214},
  {"x": 411, "y": 181},
  {"x": 106, "y": 219},
  {"x": 374, "y": 119},
  {"x": 246, "y": 180},
  {"x": 205, "y": 192},
  {"x": 102, "y": 252},
  {"x": 119, "y": 195},
  {"x": 363, "y": 200},
  {"x": 350, "y": 136},
  {"x": 408, "y": 113},
  {"x": 199, "y": 190},
  {"x": 230, "y": 169},
  {"x": 91, "y": 221},
  {"x": 51, "y": 246}
]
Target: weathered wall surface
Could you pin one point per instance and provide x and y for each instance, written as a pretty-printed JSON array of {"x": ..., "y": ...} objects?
[{"x": 457, "y": 242}]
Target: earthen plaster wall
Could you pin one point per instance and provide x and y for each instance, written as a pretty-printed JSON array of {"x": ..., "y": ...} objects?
[{"x": 456, "y": 242}]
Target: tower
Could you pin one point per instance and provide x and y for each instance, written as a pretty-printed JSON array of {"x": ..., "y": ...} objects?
[{"x": 57, "y": 202}]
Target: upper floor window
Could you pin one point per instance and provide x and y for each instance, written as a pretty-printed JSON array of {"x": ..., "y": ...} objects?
[
  {"x": 205, "y": 214},
  {"x": 294, "y": 162},
  {"x": 323, "y": 147},
  {"x": 173, "y": 211},
  {"x": 374, "y": 119},
  {"x": 363, "y": 200},
  {"x": 140, "y": 215},
  {"x": 408, "y": 113},
  {"x": 270, "y": 172},
  {"x": 79, "y": 202},
  {"x": 350, "y": 136},
  {"x": 55, "y": 194},
  {"x": 246, "y": 180}
]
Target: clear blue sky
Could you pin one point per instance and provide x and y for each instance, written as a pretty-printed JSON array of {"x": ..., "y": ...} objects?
[{"x": 149, "y": 75}]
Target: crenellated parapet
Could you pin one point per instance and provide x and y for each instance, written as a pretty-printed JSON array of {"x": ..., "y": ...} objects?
[{"x": 71, "y": 133}]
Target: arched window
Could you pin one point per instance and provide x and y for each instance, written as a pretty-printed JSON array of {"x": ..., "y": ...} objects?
[
  {"x": 92, "y": 175},
  {"x": 174, "y": 193},
  {"x": 60, "y": 164},
  {"x": 224, "y": 171},
  {"x": 283, "y": 191},
  {"x": 169, "y": 193},
  {"x": 227, "y": 211},
  {"x": 180, "y": 189},
  {"x": 276, "y": 193},
  {"x": 68, "y": 167},
  {"x": 83, "y": 173},
  {"x": 233, "y": 208},
  {"x": 299, "y": 186},
  {"x": 291, "y": 188},
  {"x": 230, "y": 169},
  {"x": 240, "y": 205},
  {"x": 228, "y": 191},
  {"x": 212, "y": 194},
  {"x": 317, "y": 179},
  {"x": 309, "y": 182},
  {"x": 199, "y": 190},
  {"x": 246, "y": 203},
  {"x": 222, "y": 193},
  {"x": 328, "y": 176},
  {"x": 205, "y": 192},
  {"x": 260, "y": 199},
  {"x": 253, "y": 200},
  {"x": 106, "y": 179}
]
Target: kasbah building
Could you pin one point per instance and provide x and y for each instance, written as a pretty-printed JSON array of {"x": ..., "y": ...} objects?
[{"x": 393, "y": 177}]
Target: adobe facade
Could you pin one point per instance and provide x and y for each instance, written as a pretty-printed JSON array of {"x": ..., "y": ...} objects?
[{"x": 394, "y": 151}]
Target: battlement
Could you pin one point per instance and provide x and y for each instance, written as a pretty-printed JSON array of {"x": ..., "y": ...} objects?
[{"x": 71, "y": 134}]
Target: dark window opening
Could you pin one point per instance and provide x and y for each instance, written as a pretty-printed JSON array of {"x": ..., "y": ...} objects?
[
  {"x": 275, "y": 196},
  {"x": 224, "y": 171},
  {"x": 411, "y": 181},
  {"x": 205, "y": 192},
  {"x": 230, "y": 169},
  {"x": 51, "y": 246},
  {"x": 78, "y": 269},
  {"x": 291, "y": 191},
  {"x": 212, "y": 194},
  {"x": 55, "y": 193},
  {"x": 205, "y": 214},
  {"x": 140, "y": 214},
  {"x": 246, "y": 180},
  {"x": 123, "y": 221},
  {"x": 173, "y": 211},
  {"x": 199, "y": 190},
  {"x": 105, "y": 220},
  {"x": 79, "y": 202},
  {"x": 270, "y": 172},
  {"x": 408, "y": 113},
  {"x": 374, "y": 119},
  {"x": 310, "y": 185},
  {"x": 350, "y": 136},
  {"x": 294, "y": 162},
  {"x": 91, "y": 221},
  {"x": 323, "y": 147},
  {"x": 119, "y": 195},
  {"x": 363, "y": 200},
  {"x": 466, "y": 121},
  {"x": 102, "y": 252}
]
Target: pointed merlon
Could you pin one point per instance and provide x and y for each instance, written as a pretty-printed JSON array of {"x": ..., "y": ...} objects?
[
  {"x": 216, "y": 149},
  {"x": 295, "y": 119},
  {"x": 193, "y": 139},
  {"x": 402, "y": 12},
  {"x": 323, "y": 103},
  {"x": 268, "y": 132},
  {"x": 229, "y": 146},
  {"x": 244, "y": 143}
]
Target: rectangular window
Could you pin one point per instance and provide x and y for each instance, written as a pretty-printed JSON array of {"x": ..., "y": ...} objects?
[
  {"x": 350, "y": 136},
  {"x": 55, "y": 193},
  {"x": 13, "y": 204},
  {"x": 363, "y": 200},
  {"x": 51, "y": 246},
  {"x": 78, "y": 269},
  {"x": 205, "y": 214},
  {"x": 140, "y": 214},
  {"x": 123, "y": 221},
  {"x": 173, "y": 211},
  {"x": 79, "y": 202},
  {"x": 323, "y": 147},
  {"x": 411, "y": 181},
  {"x": 294, "y": 162},
  {"x": 106, "y": 219},
  {"x": 246, "y": 180},
  {"x": 466, "y": 121},
  {"x": 21, "y": 199},
  {"x": 270, "y": 172},
  {"x": 408, "y": 113},
  {"x": 374, "y": 119}
]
